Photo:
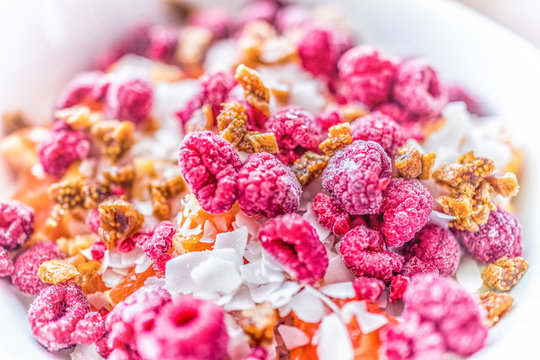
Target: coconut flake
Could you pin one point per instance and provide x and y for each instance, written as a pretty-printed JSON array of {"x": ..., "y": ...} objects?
[
  {"x": 85, "y": 352},
  {"x": 292, "y": 336},
  {"x": 307, "y": 307},
  {"x": 104, "y": 262},
  {"x": 311, "y": 217},
  {"x": 261, "y": 293},
  {"x": 216, "y": 275},
  {"x": 241, "y": 300},
  {"x": 332, "y": 340},
  {"x": 367, "y": 321},
  {"x": 178, "y": 272},
  {"x": 111, "y": 278},
  {"x": 144, "y": 265},
  {"x": 98, "y": 300},
  {"x": 238, "y": 344},
  {"x": 337, "y": 272},
  {"x": 469, "y": 274},
  {"x": 209, "y": 233},
  {"x": 284, "y": 294},
  {"x": 252, "y": 224},
  {"x": 154, "y": 280},
  {"x": 236, "y": 239},
  {"x": 343, "y": 290},
  {"x": 441, "y": 219}
]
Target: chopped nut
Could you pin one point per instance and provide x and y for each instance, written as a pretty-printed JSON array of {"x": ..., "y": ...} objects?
[
  {"x": 68, "y": 193},
  {"x": 232, "y": 123},
  {"x": 281, "y": 92},
  {"x": 251, "y": 41},
  {"x": 73, "y": 246},
  {"x": 504, "y": 273},
  {"x": 117, "y": 220},
  {"x": 13, "y": 121},
  {"x": 56, "y": 271},
  {"x": 506, "y": 184},
  {"x": 202, "y": 119},
  {"x": 350, "y": 112},
  {"x": 428, "y": 160},
  {"x": 94, "y": 193},
  {"x": 468, "y": 170},
  {"x": 195, "y": 42},
  {"x": 339, "y": 136},
  {"x": 265, "y": 142},
  {"x": 258, "y": 322},
  {"x": 496, "y": 305},
  {"x": 162, "y": 191},
  {"x": 77, "y": 117},
  {"x": 122, "y": 176},
  {"x": 256, "y": 93},
  {"x": 309, "y": 166},
  {"x": 411, "y": 164},
  {"x": 113, "y": 137}
]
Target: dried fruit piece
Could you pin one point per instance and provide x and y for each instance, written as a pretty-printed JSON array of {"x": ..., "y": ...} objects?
[
  {"x": 380, "y": 128},
  {"x": 411, "y": 164},
  {"x": 25, "y": 273},
  {"x": 505, "y": 184},
  {"x": 74, "y": 245},
  {"x": 496, "y": 305},
  {"x": 16, "y": 224},
  {"x": 162, "y": 191},
  {"x": 122, "y": 176},
  {"x": 77, "y": 117},
  {"x": 504, "y": 273},
  {"x": 56, "y": 271},
  {"x": 339, "y": 136},
  {"x": 117, "y": 220},
  {"x": 68, "y": 194},
  {"x": 13, "y": 121},
  {"x": 369, "y": 289},
  {"x": 309, "y": 166},
  {"x": 191, "y": 50},
  {"x": 231, "y": 123},
  {"x": 331, "y": 215},
  {"x": 255, "y": 92},
  {"x": 258, "y": 322},
  {"x": 251, "y": 40},
  {"x": 114, "y": 138},
  {"x": 94, "y": 193},
  {"x": 265, "y": 142}
]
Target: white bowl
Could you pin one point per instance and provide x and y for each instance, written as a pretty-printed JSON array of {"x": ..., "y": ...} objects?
[{"x": 45, "y": 43}]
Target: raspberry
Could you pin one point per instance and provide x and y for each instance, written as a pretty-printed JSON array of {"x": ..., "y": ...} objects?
[
  {"x": 457, "y": 93},
  {"x": 454, "y": 311},
  {"x": 437, "y": 247},
  {"x": 158, "y": 246},
  {"x": 328, "y": 118},
  {"x": 217, "y": 21},
  {"x": 419, "y": 90},
  {"x": 406, "y": 207},
  {"x": 296, "y": 131},
  {"x": 330, "y": 214},
  {"x": 262, "y": 10},
  {"x": 398, "y": 285},
  {"x": 186, "y": 328},
  {"x": 16, "y": 224},
  {"x": 259, "y": 353},
  {"x": 500, "y": 236},
  {"x": 126, "y": 245},
  {"x": 86, "y": 86},
  {"x": 6, "y": 265},
  {"x": 89, "y": 329},
  {"x": 132, "y": 101},
  {"x": 415, "y": 265},
  {"x": 292, "y": 241},
  {"x": 163, "y": 41},
  {"x": 63, "y": 147},
  {"x": 291, "y": 16},
  {"x": 97, "y": 250},
  {"x": 369, "y": 289},
  {"x": 364, "y": 253},
  {"x": 368, "y": 76},
  {"x": 25, "y": 273},
  {"x": 380, "y": 128},
  {"x": 92, "y": 220},
  {"x": 55, "y": 313},
  {"x": 356, "y": 177},
  {"x": 267, "y": 188},
  {"x": 209, "y": 165}
]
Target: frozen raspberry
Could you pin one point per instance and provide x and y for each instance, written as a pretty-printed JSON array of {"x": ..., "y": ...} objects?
[
  {"x": 412, "y": 339},
  {"x": 163, "y": 41},
  {"x": 363, "y": 252},
  {"x": 55, "y": 313},
  {"x": 500, "y": 236},
  {"x": 256, "y": 119},
  {"x": 186, "y": 328},
  {"x": 97, "y": 250},
  {"x": 89, "y": 329},
  {"x": 292, "y": 241},
  {"x": 158, "y": 246},
  {"x": 398, "y": 285},
  {"x": 415, "y": 265},
  {"x": 296, "y": 131},
  {"x": 394, "y": 111},
  {"x": 126, "y": 245},
  {"x": 453, "y": 310},
  {"x": 132, "y": 101},
  {"x": 369, "y": 289},
  {"x": 406, "y": 207},
  {"x": 457, "y": 93},
  {"x": 25, "y": 273},
  {"x": 92, "y": 220},
  {"x": 16, "y": 224},
  {"x": 368, "y": 76},
  {"x": 289, "y": 17},
  {"x": 210, "y": 165},
  {"x": 6, "y": 265},
  {"x": 320, "y": 48},
  {"x": 87, "y": 86},
  {"x": 259, "y": 353},
  {"x": 436, "y": 246},
  {"x": 357, "y": 176},
  {"x": 380, "y": 128},
  {"x": 330, "y": 214},
  {"x": 218, "y": 21},
  {"x": 63, "y": 147},
  {"x": 418, "y": 89},
  {"x": 258, "y": 10},
  {"x": 328, "y": 118},
  {"x": 267, "y": 188}
]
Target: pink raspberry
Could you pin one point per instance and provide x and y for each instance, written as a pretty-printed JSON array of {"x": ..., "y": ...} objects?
[
  {"x": 364, "y": 253},
  {"x": 158, "y": 246},
  {"x": 186, "y": 328},
  {"x": 259, "y": 353},
  {"x": 92, "y": 220},
  {"x": 86, "y": 86},
  {"x": 330, "y": 214},
  {"x": 412, "y": 339},
  {"x": 418, "y": 89},
  {"x": 398, "y": 285},
  {"x": 368, "y": 76},
  {"x": 163, "y": 41},
  {"x": 25, "y": 273},
  {"x": 292, "y": 16},
  {"x": 6, "y": 265},
  {"x": 258, "y": 10},
  {"x": 436, "y": 246},
  {"x": 415, "y": 265},
  {"x": 210, "y": 165},
  {"x": 500, "y": 236},
  {"x": 132, "y": 101},
  {"x": 457, "y": 93},
  {"x": 369, "y": 289},
  {"x": 267, "y": 188},
  {"x": 55, "y": 313},
  {"x": 451, "y": 308},
  {"x": 328, "y": 118},
  {"x": 406, "y": 207},
  {"x": 97, "y": 250},
  {"x": 63, "y": 147},
  {"x": 89, "y": 329},
  {"x": 16, "y": 224},
  {"x": 256, "y": 119},
  {"x": 292, "y": 241},
  {"x": 394, "y": 111},
  {"x": 296, "y": 131},
  {"x": 357, "y": 176},
  {"x": 126, "y": 245},
  {"x": 218, "y": 21},
  {"x": 380, "y": 128}
]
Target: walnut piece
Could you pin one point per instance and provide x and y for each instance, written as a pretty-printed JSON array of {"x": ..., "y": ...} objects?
[
  {"x": 122, "y": 176},
  {"x": 77, "y": 117},
  {"x": 496, "y": 305},
  {"x": 258, "y": 322},
  {"x": 411, "y": 164},
  {"x": 118, "y": 219},
  {"x": 56, "y": 271},
  {"x": 231, "y": 123},
  {"x": 74, "y": 245},
  {"x": 309, "y": 166},
  {"x": 504, "y": 273},
  {"x": 114, "y": 138},
  {"x": 13, "y": 121},
  {"x": 94, "y": 193},
  {"x": 265, "y": 142},
  {"x": 339, "y": 136},
  {"x": 68, "y": 193},
  {"x": 252, "y": 39},
  {"x": 162, "y": 191},
  {"x": 257, "y": 95}
]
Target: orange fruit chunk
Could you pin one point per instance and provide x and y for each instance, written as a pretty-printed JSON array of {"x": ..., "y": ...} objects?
[{"x": 129, "y": 285}]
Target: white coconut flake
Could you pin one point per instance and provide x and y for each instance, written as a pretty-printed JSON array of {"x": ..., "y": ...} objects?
[
  {"x": 217, "y": 275},
  {"x": 178, "y": 272},
  {"x": 238, "y": 344},
  {"x": 337, "y": 271},
  {"x": 469, "y": 274},
  {"x": 104, "y": 262},
  {"x": 111, "y": 278},
  {"x": 209, "y": 233},
  {"x": 154, "y": 280},
  {"x": 441, "y": 219},
  {"x": 292, "y": 336},
  {"x": 367, "y": 321},
  {"x": 85, "y": 352},
  {"x": 332, "y": 340},
  {"x": 307, "y": 307},
  {"x": 98, "y": 300},
  {"x": 311, "y": 217},
  {"x": 144, "y": 265},
  {"x": 241, "y": 300},
  {"x": 343, "y": 290},
  {"x": 87, "y": 253},
  {"x": 251, "y": 224},
  {"x": 284, "y": 294},
  {"x": 253, "y": 251},
  {"x": 236, "y": 239},
  {"x": 130, "y": 258},
  {"x": 262, "y": 293}
]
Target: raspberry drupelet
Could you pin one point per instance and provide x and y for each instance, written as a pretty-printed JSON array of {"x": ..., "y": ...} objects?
[
  {"x": 398, "y": 285},
  {"x": 16, "y": 224},
  {"x": 380, "y": 128},
  {"x": 369, "y": 76},
  {"x": 357, "y": 176},
  {"x": 88, "y": 86},
  {"x": 25, "y": 273},
  {"x": 132, "y": 101},
  {"x": 369, "y": 289},
  {"x": 500, "y": 236},
  {"x": 328, "y": 118},
  {"x": 209, "y": 165},
  {"x": 267, "y": 188},
  {"x": 330, "y": 214},
  {"x": 6, "y": 265},
  {"x": 294, "y": 243},
  {"x": 89, "y": 329},
  {"x": 406, "y": 208},
  {"x": 364, "y": 253},
  {"x": 296, "y": 131},
  {"x": 158, "y": 246}
]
